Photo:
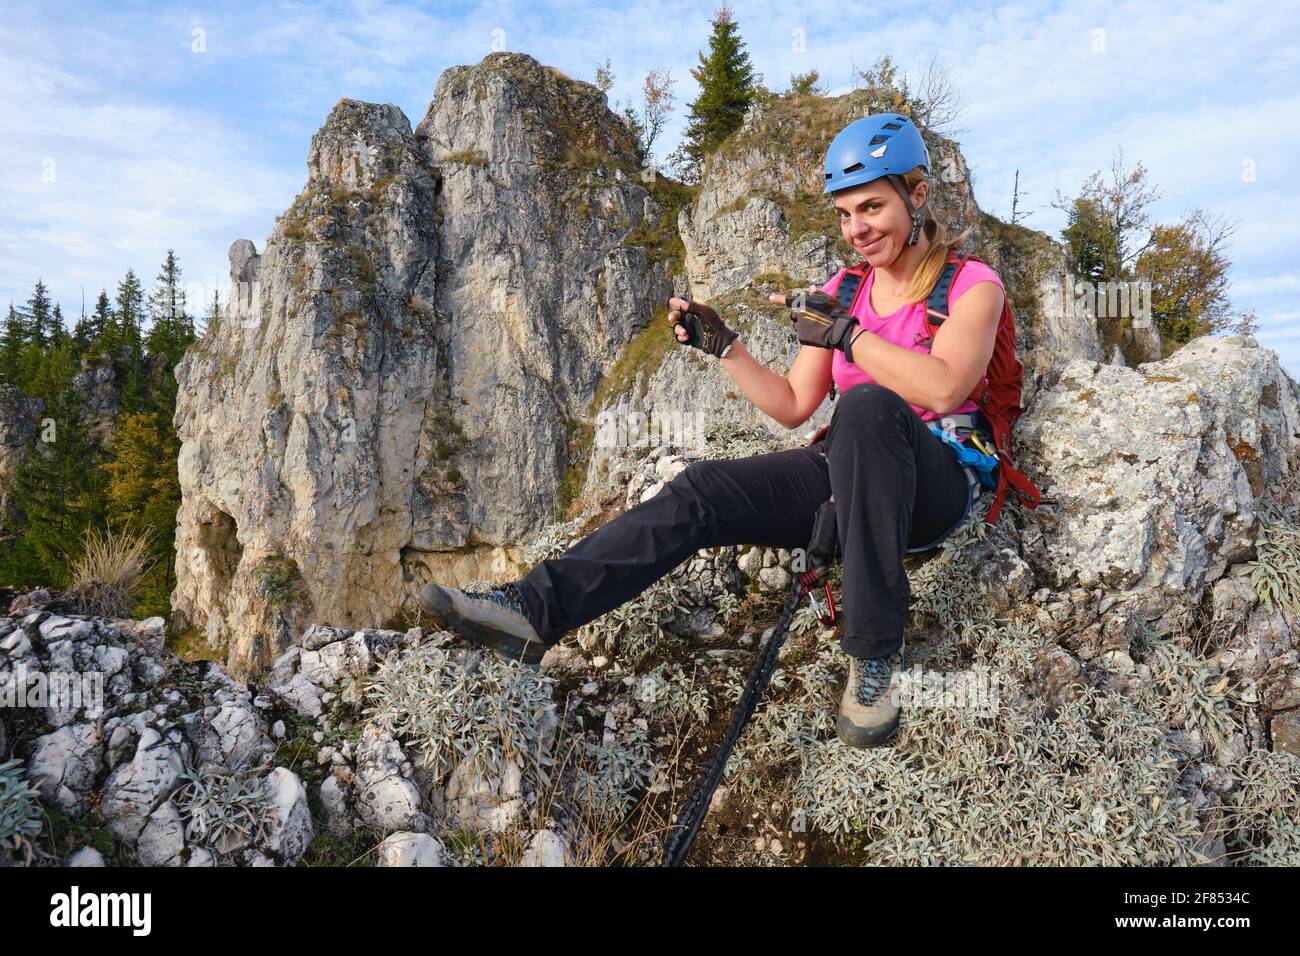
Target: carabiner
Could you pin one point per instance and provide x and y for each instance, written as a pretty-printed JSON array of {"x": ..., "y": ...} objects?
[
  {"x": 827, "y": 620},
  {"x": 980, "y": 445}
]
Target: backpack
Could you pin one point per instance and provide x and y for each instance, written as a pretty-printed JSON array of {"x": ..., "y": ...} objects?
[{"x": 997, "y": 394}]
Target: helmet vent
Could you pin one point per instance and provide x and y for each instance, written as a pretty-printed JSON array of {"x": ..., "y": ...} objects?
[
  {"x": 854, "y": 168},
  {"x": 877, "y": 140},
  {"x": 891, "y": 126}
]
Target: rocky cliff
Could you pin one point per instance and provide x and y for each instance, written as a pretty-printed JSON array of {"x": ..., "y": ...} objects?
[{"x": 393, "y": 391}]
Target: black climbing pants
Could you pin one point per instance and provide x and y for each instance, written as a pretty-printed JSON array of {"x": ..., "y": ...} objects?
[{"x": 896, "y": 487}]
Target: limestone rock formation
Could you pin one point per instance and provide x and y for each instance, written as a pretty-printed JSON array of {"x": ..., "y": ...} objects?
[
  {"x": 1153, "y": 474},
  {"x": 18, "y": 422},
  {"x": 390, "y": 395}
]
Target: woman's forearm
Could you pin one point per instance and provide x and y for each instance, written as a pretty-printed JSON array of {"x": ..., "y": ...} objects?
[
  {"x": 769, "y": 392},
  {"x": 921, "y": 379}
]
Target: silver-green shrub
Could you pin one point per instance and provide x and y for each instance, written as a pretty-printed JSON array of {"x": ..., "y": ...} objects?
[
  {"x": 20, "y": 808},
  {"x": 224, "y": 809}
]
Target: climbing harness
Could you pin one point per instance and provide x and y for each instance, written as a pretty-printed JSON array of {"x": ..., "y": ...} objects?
[
  {"x": 979, "y": 465},
  {"x": 822, "y": 552}
]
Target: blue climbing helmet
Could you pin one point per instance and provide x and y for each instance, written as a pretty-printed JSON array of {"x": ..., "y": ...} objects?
[{"x": 880, "y": 145}]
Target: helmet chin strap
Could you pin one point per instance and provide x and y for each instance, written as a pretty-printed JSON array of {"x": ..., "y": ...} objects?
[{"x": 917, "y": 213}]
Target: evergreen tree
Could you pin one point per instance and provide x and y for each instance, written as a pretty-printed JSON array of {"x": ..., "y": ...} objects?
[
  {"x": 727, "y": 89},
  {"x": 39, "y": 319},
  {"x": 125, "y": 345},
  {"x": 171, "y": 334},
  {"x": 58, "y": 332},
  {"x": 172, "y": 328},
  {"x": 13, "y": 338},
  {"x": 99, "y": 321},
  {"x": 144, "y": 494},
  {"x": 130, "y": 311},
  {"x": 58, "y": 492},
  {"x": 1089, "y": 244}
]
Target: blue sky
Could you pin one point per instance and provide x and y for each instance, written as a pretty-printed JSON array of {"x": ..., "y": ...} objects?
[{"x": 123, "y": 132}]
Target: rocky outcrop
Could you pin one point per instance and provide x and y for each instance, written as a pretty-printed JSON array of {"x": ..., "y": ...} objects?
[
  {"x": 100, "y": 395},
  {"x": 1153, "y": 474},
  {"x": 18, "y": 423},
  {"x": 389, "y": 397}
]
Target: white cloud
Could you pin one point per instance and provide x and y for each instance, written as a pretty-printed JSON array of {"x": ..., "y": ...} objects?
[{"x": 131, "y": 178}]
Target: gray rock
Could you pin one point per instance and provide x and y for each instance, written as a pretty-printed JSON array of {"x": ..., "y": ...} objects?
[
  {"x": 481, "y": 801},
  {"x": 1157, "y": 503},
  {"x": 548, "y": 848},
  {"x": 135, "y": 789},
  {"x": 386, "y": 799},
  {"x": 409, "y": 849},
  {"x": 234, "y": 736},
  {"x": 86, "y": 856},
  {"x": 291, "y": 830},
  {"x": 65, "y": 765},
  {"x": 334, "y": 800},
  {"x": 162, "y": 841},
  {"x": 377, "y": 435}
]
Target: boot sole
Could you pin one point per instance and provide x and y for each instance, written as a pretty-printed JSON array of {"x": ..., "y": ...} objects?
[
  {"x": 865, "y": 737},
  {"x": 506, "y": 646}
]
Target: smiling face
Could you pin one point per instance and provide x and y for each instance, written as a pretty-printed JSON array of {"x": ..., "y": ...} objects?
[{"x": 874, "y": 221}]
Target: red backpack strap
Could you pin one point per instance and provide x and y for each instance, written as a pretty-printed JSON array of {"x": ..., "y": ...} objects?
[
  {"x": 937, "y": 309},
  {"x": 1009, "y": 476}
]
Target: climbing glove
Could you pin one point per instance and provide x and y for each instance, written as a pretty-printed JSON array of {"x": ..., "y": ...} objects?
[
  {"x": 707, "y": 331},
  {"x": 820, "y": 320}
]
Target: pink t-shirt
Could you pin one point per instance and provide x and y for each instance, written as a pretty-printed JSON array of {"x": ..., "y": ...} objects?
[{"x": 905, "y": 327}]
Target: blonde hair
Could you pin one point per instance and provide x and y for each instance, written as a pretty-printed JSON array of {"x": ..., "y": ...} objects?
[{"x": 931, "y": 268}]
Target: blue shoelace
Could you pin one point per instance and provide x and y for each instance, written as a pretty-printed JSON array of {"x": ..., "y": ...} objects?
[
  {"x": 873, "y": 679},
  {"x": 505, "y": 595}
]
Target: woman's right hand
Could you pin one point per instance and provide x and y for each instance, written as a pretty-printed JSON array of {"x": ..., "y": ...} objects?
[{"x": 699, "y": 326}]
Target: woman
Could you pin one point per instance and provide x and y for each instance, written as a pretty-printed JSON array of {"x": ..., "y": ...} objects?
[{"x": 897, "y": 486}]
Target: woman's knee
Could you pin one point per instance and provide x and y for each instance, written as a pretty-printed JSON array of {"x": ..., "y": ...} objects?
[
  {"x": 869, "y": 401},
  {"x": 697, "y": 478}
]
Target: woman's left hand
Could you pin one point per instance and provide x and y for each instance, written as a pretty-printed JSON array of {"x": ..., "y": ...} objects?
[{"x": 818, "y": 318}]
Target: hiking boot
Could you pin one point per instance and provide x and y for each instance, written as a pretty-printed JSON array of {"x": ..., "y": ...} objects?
[
  {"x": 868, "y": 717},
  {"x": 497, "y": 619}
]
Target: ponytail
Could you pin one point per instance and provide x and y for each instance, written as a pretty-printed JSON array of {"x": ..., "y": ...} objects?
[{"x": 928, "y": 272}]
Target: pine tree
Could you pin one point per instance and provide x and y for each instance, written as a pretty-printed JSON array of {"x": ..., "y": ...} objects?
[
  {"x": 125, "y": 345},
  {"x": 130, "y": 311},
  {"x": 172, "y": 328},
  {"x": 1088, "y": 241},
  {"x": 58, "y": 492},
  {"x": 144, "y": 494},
  {"x": 39, "y": 319},
  {"x": 727, "y": 89},
  {"x": 58, "y": 332},
  {"x": 99, "y": 322},
  {"x": 13, "y": 338}
]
